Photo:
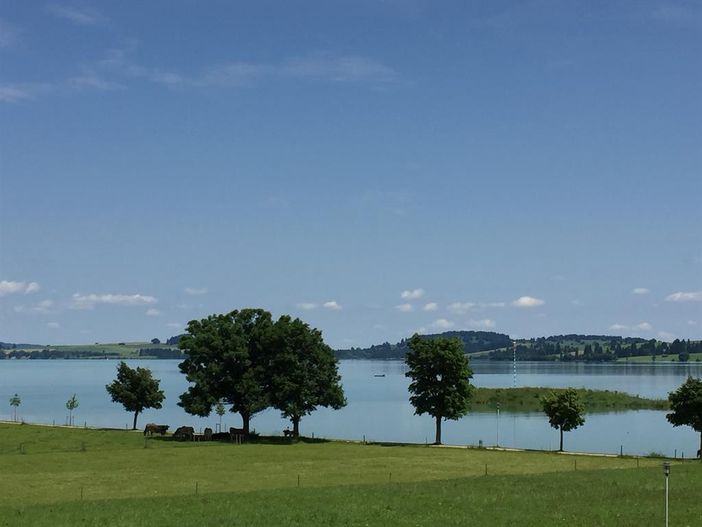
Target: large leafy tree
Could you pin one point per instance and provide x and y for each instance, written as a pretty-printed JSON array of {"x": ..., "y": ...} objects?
[
  {"x": 564, "y": 411},
  {"x": 440, "y": 377},
  {"x": 225, "y": 362},
  {"x": 686, "y": 406},
  {"x": 302, "y": 371},
  {"x": 136, "y": 389}
]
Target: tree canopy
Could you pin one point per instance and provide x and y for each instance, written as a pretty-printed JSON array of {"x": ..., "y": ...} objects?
[
  {"x": 224, "y": 362},
  {"x": 686, "y": 406},
  {"x": 440, "y": 377},
  {"x": 302, "y": 371},
  {"x": 564, "y": 411},
  {"x": 136, "y": 389}
]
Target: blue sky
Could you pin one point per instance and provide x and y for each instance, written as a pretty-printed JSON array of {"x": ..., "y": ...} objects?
[{"x": 374, "y": 167}]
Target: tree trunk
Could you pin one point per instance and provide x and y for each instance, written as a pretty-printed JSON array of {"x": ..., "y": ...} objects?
[
  {"x": 561, "y": 448},
  {"x": 245, "y": 419},
  {"x": 296, "y": 425},
  {"x": 136, "y": 414},
  {"x": 438, "y": 430},
  {"x": 699, "y": 452}
]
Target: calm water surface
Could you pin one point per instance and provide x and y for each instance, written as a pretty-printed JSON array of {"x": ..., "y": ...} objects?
[{"x": 378, "y": 407}]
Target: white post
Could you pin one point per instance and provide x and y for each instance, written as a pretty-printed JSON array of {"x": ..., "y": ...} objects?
[
  {"x": 666, "y": 471},
  {"x": 498, "y": 424}
]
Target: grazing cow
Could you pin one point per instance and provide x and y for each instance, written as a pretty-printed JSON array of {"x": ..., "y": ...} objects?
[
  {"x": 153, "y": 428},
  {"x": 236, "y": 431},
  {"x": 221, "y": 435},
  {"x": 184, "y": 433},
  {"x": 288, "y": 433},
  {"x": 207, "y": 436},
  {"x": 699, "y": 453}
]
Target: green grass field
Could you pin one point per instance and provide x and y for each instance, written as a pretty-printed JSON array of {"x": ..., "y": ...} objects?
[
  {"x": 61, "y": 476},
  {"x": 529, "y": 400}
]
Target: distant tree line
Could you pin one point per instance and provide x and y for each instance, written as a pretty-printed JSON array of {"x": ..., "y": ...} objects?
[
  {"x": 161, "y": 353},
  {"x": 595, "y": 348},
  {"x": 472, "y": 342},
  {"x": 49, "y": 353}
]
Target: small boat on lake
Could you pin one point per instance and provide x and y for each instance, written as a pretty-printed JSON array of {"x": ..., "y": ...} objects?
[{"x": 379, "y": 375}]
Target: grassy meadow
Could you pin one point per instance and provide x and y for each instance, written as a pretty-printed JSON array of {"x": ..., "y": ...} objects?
[
  {"x": 529, "y": 400},
  {"x": 54, "y": 476}
]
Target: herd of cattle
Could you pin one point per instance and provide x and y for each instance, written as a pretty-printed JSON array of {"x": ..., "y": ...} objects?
[{"x": 187, "y": 433}]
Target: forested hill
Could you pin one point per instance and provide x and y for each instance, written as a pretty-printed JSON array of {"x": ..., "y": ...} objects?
[{"x": 473, "y": 341}]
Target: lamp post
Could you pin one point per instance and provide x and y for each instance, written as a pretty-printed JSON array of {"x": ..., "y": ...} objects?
[
  {"x": 666, "y": 471},
  {"x": 498, "y": 424}
]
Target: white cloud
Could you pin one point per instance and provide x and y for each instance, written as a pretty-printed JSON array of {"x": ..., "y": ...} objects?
[
  {"x": 527, "y": 301},
  {"x": 195, "y": 291},
  {"x": 412, "y": 294},
  {"x": 333, "y": 305},
  {"x": 405, "y": 308},
  {"x": 461, "y": 308},
  {"x": 79, "y": 301},
  {"x": 43, "y": 307},
  {"x": 53, "y": 325},
  {"x": 83, "y": 16},
  {"x": 431, "y": 306},
  {"x": 691, "y": 322},
  {"x": 642, "y": 326},
  {"x": 442, "y": 323},
  {"x": 640, "y": 291},
  {"x": 307, "y": 306},
  {"x": 152, "y": 312},
  {"x": 348, "y": 68},
  {"x": 681, "y": 296},
  {"x": 10, "y": 287},
  {"x": 485, "y": 323}
]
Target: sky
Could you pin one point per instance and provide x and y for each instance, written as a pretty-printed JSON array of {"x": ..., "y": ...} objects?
[{"x": 377, "y": 168}]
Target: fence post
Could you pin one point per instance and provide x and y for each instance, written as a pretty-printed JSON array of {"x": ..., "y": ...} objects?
[
  {"x": 298, "y": 481},
  {"x": 486, "y": 469},
  {"x": 196, "y": 489}
]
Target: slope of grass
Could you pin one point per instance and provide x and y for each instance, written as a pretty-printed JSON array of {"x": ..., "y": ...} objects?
[
  {"x": 529, "y": 400},
  {"x": 114, "y": 480}
]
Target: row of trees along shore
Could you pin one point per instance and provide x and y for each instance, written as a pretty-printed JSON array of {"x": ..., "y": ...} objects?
[
  {"x": 247, "y": 361},
  {"x": 440, "y": 386}
]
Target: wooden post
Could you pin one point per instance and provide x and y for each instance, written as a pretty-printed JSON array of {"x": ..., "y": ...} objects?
[
  {"x": 196, "y": 488},
  {"x": 486, "y": 469},
  {"x": 298, "y": 481}
]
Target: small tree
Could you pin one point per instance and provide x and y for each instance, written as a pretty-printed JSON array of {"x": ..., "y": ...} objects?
[
  {"x": 686, "y": 406},
  {"x": 71, "y": 405},
  {"x": 220, "y": 410},
  {"x": 155, "y": 341},
  {"x": 564, "y": 410},
  {"x": 440, "y": 377},
  {"x": 15, "y": 401},
  {"x": 136, "y": 390}
]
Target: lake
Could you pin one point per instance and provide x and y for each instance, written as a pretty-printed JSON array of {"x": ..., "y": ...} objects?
[{"x": 378, "y": 407}]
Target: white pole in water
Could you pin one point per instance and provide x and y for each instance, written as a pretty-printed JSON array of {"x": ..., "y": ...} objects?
[
  {"x": 666, "y": 471},
  {"x": 498, "y": 424},
  {"x": 514, "y": 364}
]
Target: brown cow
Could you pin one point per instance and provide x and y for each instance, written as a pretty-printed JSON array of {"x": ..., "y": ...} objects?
[
  {"x": 184, "y": 433},
  {"x": 153, "y": 428}
]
